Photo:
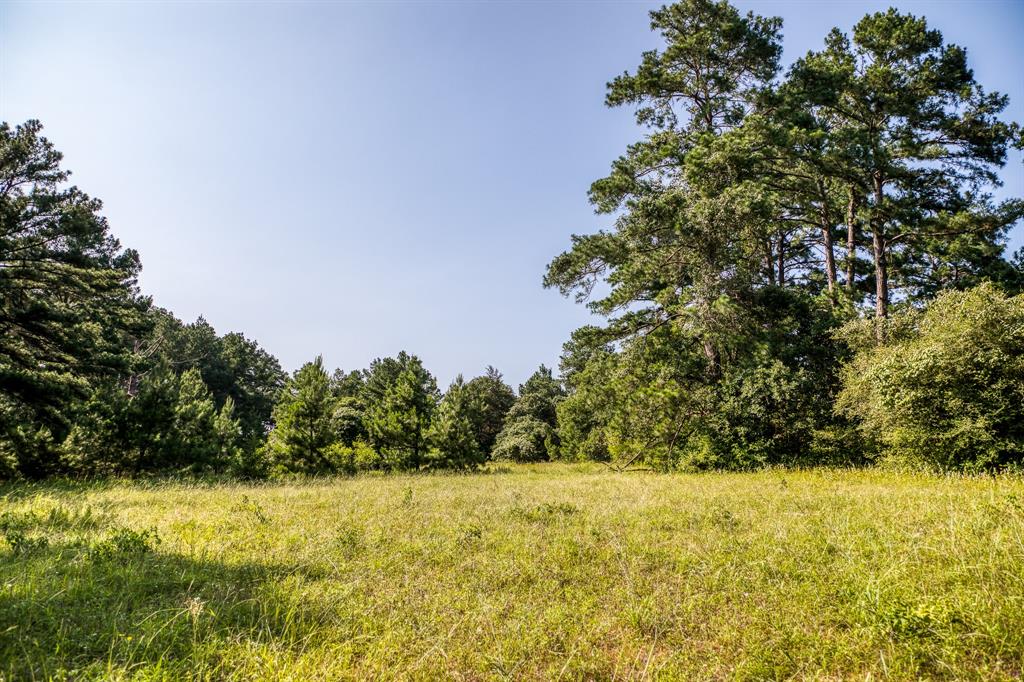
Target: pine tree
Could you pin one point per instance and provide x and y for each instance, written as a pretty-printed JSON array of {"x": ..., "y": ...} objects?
[
  {"x": 68, "y": 297},
  {"x": 228, "y": 433},
  {"x": 401, "y": 398},
  {"x": 453, "y": 443},
  {"x": 195, "y": 442},
  {"x": 303, "y": 426},
  {"x": 917, "y": 141},
  {"x": 529, "y": 433},
  {"x": 490, "y": 399}
]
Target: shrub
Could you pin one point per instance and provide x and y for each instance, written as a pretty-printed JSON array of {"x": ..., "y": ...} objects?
[
  {"x": 125, "y": 542},
  {"x": 21, "y": 543},
  {"x": 525, "y": 440},
  {"x": 946, "y": 389},
  {"x": 348, "y": 459}
]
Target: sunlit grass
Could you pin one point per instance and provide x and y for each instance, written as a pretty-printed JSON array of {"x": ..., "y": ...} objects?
[{"x": 529, "y": 572}]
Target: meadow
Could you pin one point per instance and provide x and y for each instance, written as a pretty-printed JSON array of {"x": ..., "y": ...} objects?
[{"x": 521, "y": 572}]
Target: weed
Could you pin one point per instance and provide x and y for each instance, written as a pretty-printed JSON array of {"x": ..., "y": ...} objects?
[
  {"x": 545, "y": 513},
  {"x": 23, "y": 544},
  {"x": 469, "y": 534},
  {"x": 251, "y": 509},
  {"x": 125, "y": 542},
  {"x": 350, "y": 540}
]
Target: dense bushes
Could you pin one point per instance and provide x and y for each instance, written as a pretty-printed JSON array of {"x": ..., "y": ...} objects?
[
  {"x": 658, "y": 400},
  {"x": 947, "y": 388}
]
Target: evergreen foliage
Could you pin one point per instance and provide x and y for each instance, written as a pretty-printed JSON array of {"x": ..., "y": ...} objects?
[
  {"x": 490, "y": 399},
  {"x": 452, "y": 436},
  {"x": 303, "y": 423},
  {"x": 401, "y": 396},
  {"x": 721, "y": 281},
  {"x": 68, "y": 299}
]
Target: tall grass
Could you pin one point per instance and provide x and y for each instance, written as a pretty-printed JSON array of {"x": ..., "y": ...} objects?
[{"x": 542, "y": 572}]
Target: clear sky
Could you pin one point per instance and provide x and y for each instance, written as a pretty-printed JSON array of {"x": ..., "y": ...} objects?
[{"x": 354, "y": 179}]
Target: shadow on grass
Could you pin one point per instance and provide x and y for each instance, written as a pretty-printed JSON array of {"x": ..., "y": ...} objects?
[{"x": 70, "y": 611}]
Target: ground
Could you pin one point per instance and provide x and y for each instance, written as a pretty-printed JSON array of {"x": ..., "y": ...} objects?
[{"x": 533, "y": 572}]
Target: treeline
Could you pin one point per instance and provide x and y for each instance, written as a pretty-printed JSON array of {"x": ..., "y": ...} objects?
[
  {"x": 96, "y": 380},
  {"x": 804, "y": 268},
  {"x": 392, "y": 417}
]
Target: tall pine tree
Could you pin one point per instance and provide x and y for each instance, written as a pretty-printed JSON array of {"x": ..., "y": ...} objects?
[
  {"x": 303, "y": 422},
  {"x": 68, "y": 298}
]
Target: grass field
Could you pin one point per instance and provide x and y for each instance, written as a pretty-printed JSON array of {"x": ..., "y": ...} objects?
[{"x": 544, "y": 572}]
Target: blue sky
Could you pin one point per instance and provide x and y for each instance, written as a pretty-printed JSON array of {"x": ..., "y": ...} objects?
[{"x": 354, "y": 179}]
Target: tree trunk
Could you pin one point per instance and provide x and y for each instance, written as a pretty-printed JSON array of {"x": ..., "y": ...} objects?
[
  {"x": 769, "y": 260},
  {"x": 782, "y": 260},
  {"x": 881, "y": 266},
  {"x": 851, "y": 239},
  {"x": 826, "y": 236},
  {"x": 714, "y": 360}
]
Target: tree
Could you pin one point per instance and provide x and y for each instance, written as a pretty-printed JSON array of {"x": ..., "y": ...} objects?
[
  {"x": 303, "y": 426},
  {"x": 583, "y": 416},
  {"x": 201, "y": 438},
  {"x": 347, "y": 384},
  {"x": 169, "y": 424},
  {"x": 400, "y": 396},
  {"x": 526, "y": 440},
  {"x": 721, "y": 273},
  {"x": 452, "y": 439},
  {"x": 490, "y": 399},
  {"x": 228, "y": 434},
  {"x": 686, "y": 244},
  {"x": 529, "y": 433},
  {"x": 350, "y": 420},
  {"x": 255, "y": 380},
  {"x": 648, "y": 400},
  {"x": 232, "y": 366},
  {"x": 104, "y": 438},
  {"x": 68, "y": 297},
  {"x": 382, "y": 374},
  {"x": 917, "y": 143},
  {"x": 714, "y": 61},
  {"x": 350, "y": 408},
  {"x": 194, "y": 439}
]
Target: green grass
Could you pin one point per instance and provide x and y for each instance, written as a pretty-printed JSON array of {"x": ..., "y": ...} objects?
[{"x": 545, "y": 572}]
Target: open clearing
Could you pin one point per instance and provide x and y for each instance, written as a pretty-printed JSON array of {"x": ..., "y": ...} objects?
[{"x": 547, "y": 571}]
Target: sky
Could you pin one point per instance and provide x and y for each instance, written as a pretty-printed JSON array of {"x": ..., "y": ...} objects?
[{"x": 355, "y": 179}]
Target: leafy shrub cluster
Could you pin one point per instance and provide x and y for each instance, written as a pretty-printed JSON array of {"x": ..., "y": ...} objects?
[
  {"x": 125, "y": 543},
  {"x": 946, "y": 389}
]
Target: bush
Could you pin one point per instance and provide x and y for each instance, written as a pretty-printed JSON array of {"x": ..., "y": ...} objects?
[
  {"x": 947, "y": 388},
  {"x": 525, "y": 440},
  {"x": 125, "y": 542}
]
